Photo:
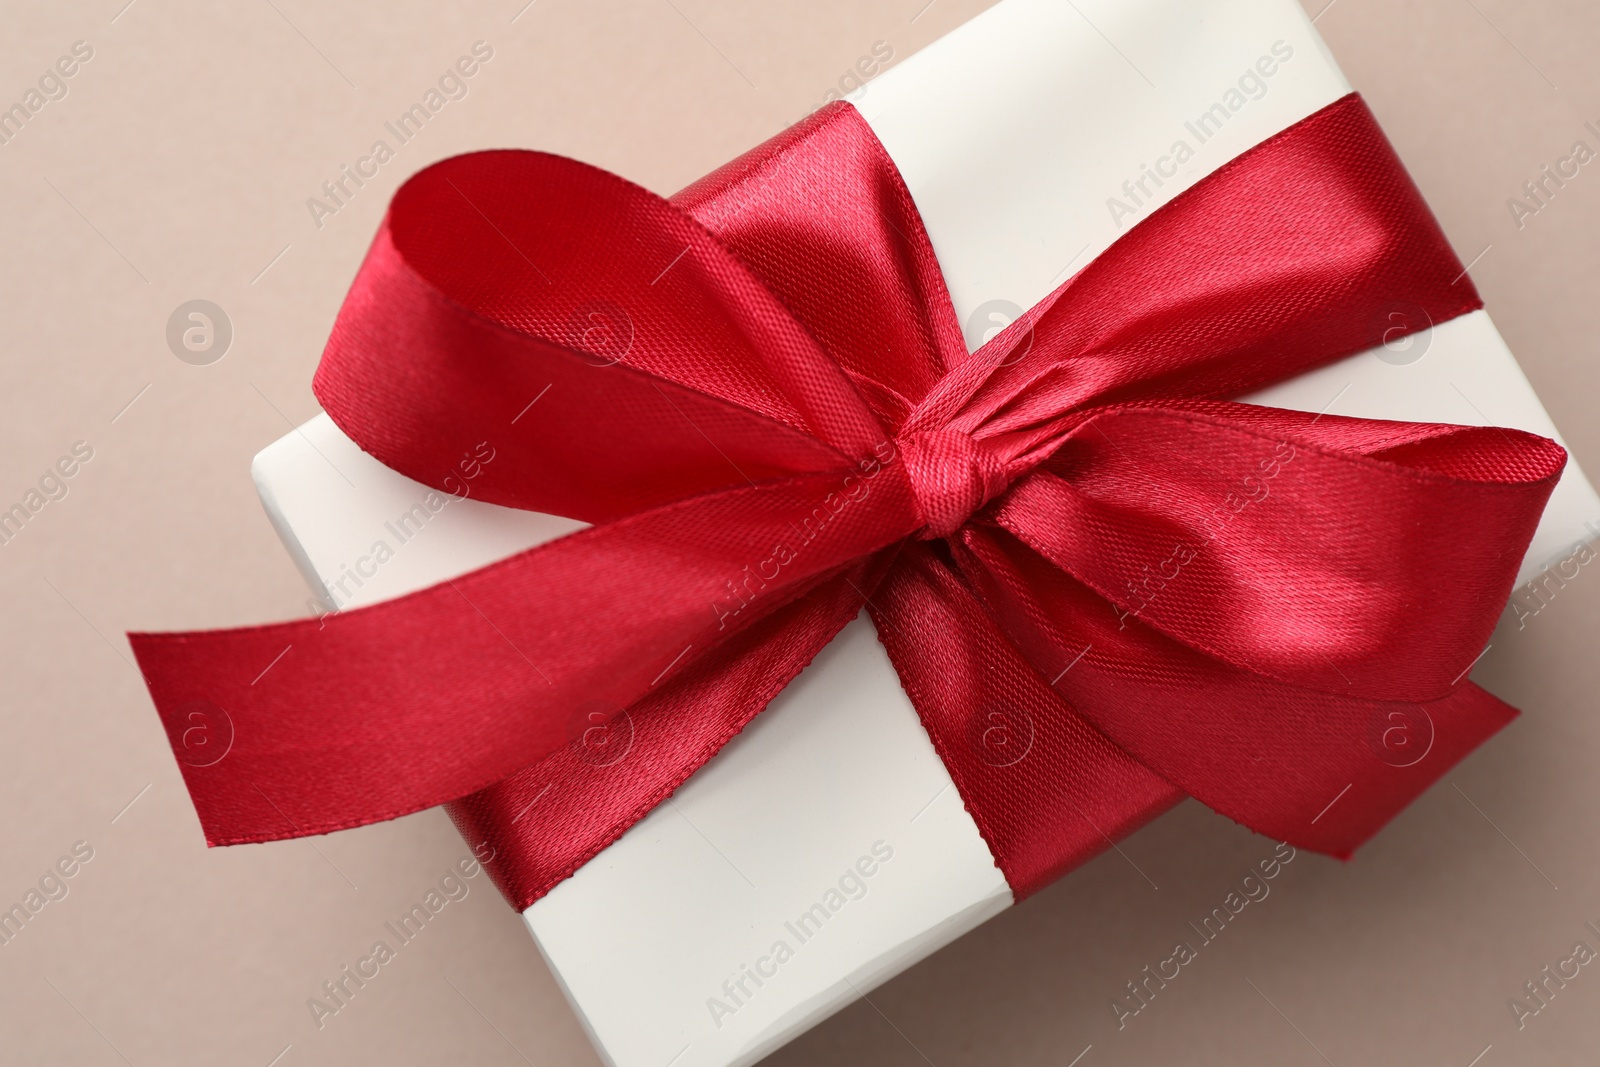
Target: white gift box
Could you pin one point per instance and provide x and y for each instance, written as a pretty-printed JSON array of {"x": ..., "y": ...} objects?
[{"x": 829, "y": 826}]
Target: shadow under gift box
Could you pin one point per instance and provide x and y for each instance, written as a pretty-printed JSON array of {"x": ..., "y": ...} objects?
[{"x": 1030, "y": 143}]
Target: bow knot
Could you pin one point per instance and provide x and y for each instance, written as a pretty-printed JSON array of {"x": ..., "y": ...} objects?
[{"x": 952, "y": 475}]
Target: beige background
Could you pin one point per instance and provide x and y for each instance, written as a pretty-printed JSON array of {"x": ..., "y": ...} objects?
[{"x": 177, "y": 167}]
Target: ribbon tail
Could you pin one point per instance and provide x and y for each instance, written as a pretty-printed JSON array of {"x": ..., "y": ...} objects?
[
  {"x": 370, "y": 714},
  {"x": 1047, "y": 790}
]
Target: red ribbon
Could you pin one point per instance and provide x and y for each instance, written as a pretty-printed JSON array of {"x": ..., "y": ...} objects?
[{"x": 1103, "y": 587}]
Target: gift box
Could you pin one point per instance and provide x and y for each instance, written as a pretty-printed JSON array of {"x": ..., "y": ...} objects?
[{"x": 827, "y": 847}]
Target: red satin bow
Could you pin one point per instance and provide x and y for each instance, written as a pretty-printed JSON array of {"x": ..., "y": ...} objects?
[{"x": 1102, "y": 586}]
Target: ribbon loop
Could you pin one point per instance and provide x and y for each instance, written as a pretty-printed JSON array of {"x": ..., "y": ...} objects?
[{"x": 1202, "y": 519}]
